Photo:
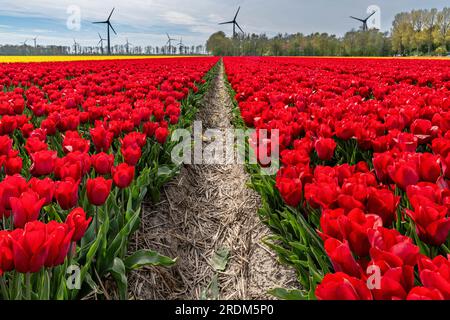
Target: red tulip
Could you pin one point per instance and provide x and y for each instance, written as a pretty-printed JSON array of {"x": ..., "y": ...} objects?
[
  {"x": 435, "y": 274},
  {"x": 395, "y": 284},
  {"x": 429, "y": 167},
  {"x": 123, "y": 175},
  {"x": 422, "y": 293},
  {"x": 384, "y": 203},
  {"x": 161, "y": 135},
  {"x": 101, "y": 138},
  {"x": 77, "y": 222},
  {"x": 6, "y": 145},
  {"x": 102, "y": 163},
  {"x": 341, "y": 257},
  {"x": 289, "y": 185},
  {"x": 13, "y": 166},
  {"x": 66, "y": 193},
  {"x": 390, "y": 246},
  {"x": 340, "y": 286},
  {"x": 354, "y": 228},
  {"x": 43, "y": 162},
  {"x": 30, "y": 247},
  {"x": 432, "y": 223},
  {"x": 149, "y": 128},
  {"x": 44, "y": 188},
  {"x": 325, "y": 148},
  {"x": 6, "y": 252},
  {"x": 59, "y": 237},
  {"x": 26, "y": 208},
  {"x": 131, "y": 155},
  {"x": 98, "y": 190},
  {"x": 404, "y": 175}
]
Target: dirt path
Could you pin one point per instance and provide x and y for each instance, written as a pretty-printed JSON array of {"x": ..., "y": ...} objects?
[{"x": 208, "y": 218}]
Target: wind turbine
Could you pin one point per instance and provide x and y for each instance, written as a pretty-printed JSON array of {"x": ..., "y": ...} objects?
[
  {"x": 100, "y": 42},
  {"x": 235, "y": 23},
  {"x": 24, "y": 43},
  {"x": 34, "y": 39},
  {"x": 127, "y": 46},
  {"x": 75, "y": 46},
  {"x": 108, "y": 27},
  {"x": 169, "y": 42},
  {"x": 364, "y": 21},
  {"x": 181, "y": 45}
]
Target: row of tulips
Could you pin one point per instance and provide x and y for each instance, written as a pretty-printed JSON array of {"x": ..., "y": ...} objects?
[
  {"x": 361, "y": 202},
  {"x": 81, "y": 145}
]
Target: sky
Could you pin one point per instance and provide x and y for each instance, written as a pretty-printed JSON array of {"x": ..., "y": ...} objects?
[{"x": 145, "y": 22}]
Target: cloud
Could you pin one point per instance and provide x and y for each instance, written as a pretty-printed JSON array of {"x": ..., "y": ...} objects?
[{"x": 179, "y": 18}]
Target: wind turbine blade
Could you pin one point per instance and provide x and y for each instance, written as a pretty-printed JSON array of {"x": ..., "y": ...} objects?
[
  {"x": 237, "y": 12},
  {"x": 357, "y": 19},
  {"x": 112, "y": 28},
  {"x": 99, "y": 35},
  {"x": 371, "y": 15},
  {"x": 100, "y": 22},
  {"x": 229, "y": 22},
  {"x": 111, "y": 14},
  {"x": 237, "y": 24}
]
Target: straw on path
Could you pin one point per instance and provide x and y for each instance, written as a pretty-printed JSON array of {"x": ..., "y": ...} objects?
[{"x": 208, "y": 209}]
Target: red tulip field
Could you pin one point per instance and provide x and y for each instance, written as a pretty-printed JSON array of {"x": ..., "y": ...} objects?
[
  {"x": 363, "y": 189},
  {"x": 359, "y": 208},
  {"x": 81, "y": 144}
]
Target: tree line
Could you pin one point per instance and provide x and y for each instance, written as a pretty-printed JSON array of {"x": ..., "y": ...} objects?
[
  {"x": 97, "y": 50},
  {"x": 419, "y": 32}
]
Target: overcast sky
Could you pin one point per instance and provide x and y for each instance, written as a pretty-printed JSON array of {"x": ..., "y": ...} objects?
[{"x": 145, "y": 22}]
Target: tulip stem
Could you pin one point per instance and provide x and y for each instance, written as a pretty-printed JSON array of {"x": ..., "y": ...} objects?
[
  {"x": 3, "y": 288},
  {"x": 28, "y": 286},
  {"x": 96, "y": 219}
]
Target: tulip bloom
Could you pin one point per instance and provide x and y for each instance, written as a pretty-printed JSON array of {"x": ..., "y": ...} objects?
[
  {"x": 161, "y": 135},
  {"x": 101, "y": 138},
  {"x": 325, "y": 148},
  {"x": 26, "y": 208},
  {"x": 43, "y": 162},
  {"x": 76, "y": 220},
  {"x": 98, "y": 190},
  {"x": 30, "y": 247},
  {"x": 131, "y": 155},
  {"x": 66, "y": 193},
  {"x": 59, "y": 238},
  {"x": 435, "y": 274},
  {"x": 123, "y": 175},
  {"x": 340, "y": 286},
  {"x": 384, "y": 203},
  {"x": 432, "y": 223},
  {"x": 342, "y": 258},
  {"x": 290, "y": 186},
  {"x": 102, "y": 163},
  {"x": 6, "y": 252},
  {"x": 429, "y": 167},
  {"x": 44, "y": 188},
  {"x": 404, "y": 175},
  {"x": 422, "y": 293},
  {"x": 390, "y": 246}
]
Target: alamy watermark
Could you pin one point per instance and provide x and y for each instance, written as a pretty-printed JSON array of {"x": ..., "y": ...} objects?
[
  {"x": 73, "y": 280},
  {"x": 73, "y": 21},
  {"x": 375, "y": 21},
  {"x": 227, "y": 147}
]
